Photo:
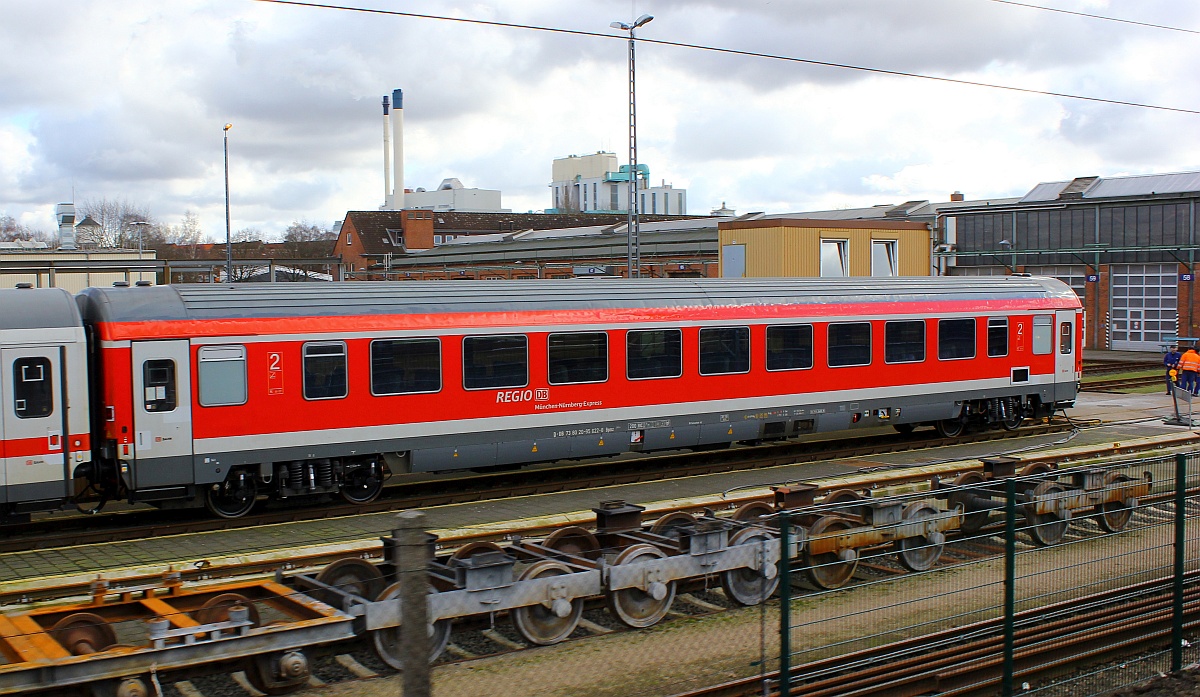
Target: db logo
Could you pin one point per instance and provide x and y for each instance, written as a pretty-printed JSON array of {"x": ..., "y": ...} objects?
[{"x": 541, "y": 394}]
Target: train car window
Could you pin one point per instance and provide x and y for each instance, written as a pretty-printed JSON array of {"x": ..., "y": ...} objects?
[
  {"x": 406, "y": 366},
  {"x": 849, "y": 344},
  {"x": 1043, "y": 334},
  {"x": 1066, "y": 343},
  {"x": 724, "y": 350},
  {"x": 495, "y": 361},
  {"x": 956, "y": 339},
  {"x": 790, "y": 347},
  {"x": 577, "y": 358},
  {"x": 904, "y": 342},
  {"x": 655, "y": 353},
  {"x": 325, "y": 370},
  {"x": 33, "y": 388},
  {"x": 158, "y": 383},
  {"x": 997, "y": 336},
  {"x": 222, "y": 375}
]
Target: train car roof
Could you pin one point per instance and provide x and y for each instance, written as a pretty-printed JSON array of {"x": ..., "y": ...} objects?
[
  {"x": 249, "y": 301},
  {"x": 37, "y": 308}
]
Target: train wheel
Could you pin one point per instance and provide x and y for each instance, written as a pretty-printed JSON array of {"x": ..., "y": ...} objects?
[
  {"x": 1047, "y": 528},
  {"x": 950, "y": 428},
  {"x": 217, "y": 608},
  {"x": 472, "y": 549},
  {"x": 905, "y": 428},
  {"x": 1013, "y": 422},
  {"x": 919, "y": 553},
  {"x": 352, "y": 575},
  {"x": 387, "y": 640},
  {"x": 635, "y": 607},
  {"x": 232, "y": 498},
  {"x": 832, "y": 569},
  {"x": 751, "y": 512},
  {"x": 362, "y": 485},
  {"x": 120, "y": 687},
  {"x": 971, "y": 522},
  {"x": 747, "y": 586},
  {"x": 278, "y": 673},
  {"x": 545, "y": 624},
  {"x": 573, "y": 540},
  {"x": 842, "y": 496},
  {"x": 1115, "y": 515},
  {"x": 82, "y": 633},
  {"x": 672, "y": 524}
]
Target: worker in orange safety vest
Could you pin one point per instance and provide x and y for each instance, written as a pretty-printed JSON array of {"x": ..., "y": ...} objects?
[{"x": 1189, "y": 370}]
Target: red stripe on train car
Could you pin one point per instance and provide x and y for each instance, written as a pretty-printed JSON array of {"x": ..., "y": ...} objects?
[{"x": 125, "y": 331}]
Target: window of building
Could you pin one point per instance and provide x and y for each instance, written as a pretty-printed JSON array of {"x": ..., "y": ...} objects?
[
  {"x": 883, "y": 258},
  {"x": 349, "y": 238},
  {"x": 595, "y": 195},
  {"x": 613, "y": 201},
  {"x": 956, "y": 339},
  {"x": 325, "y": 370},
  {"x": 33, "y": 387},
  {"x": 583, "y": 195},
  {"x": 405, "y": 366},
  {"x": 158, "y": 385},
  {"x": 642, "y": 202},
  {"x": 1065, "y": 336},
  {"x": 679, "y": 210},
  {"x": 790, "y": 347},
  {"x": 556, "y": 197},
  {"x": 849, "y": 344},
  {"x": 577, "y": 358},
  {"x": 1043, "y": 334},
  {"x": 834, "y": 261},
  {"x": 655, "y": 353},
  {"x": 666, "y": 204},
  {"x": 997, "y": 336},
  {"x": 491, "y": 362},
  {"x": 653, "y": 203},
  {"x": 724, "y": 350},
  {"x": 221, "y": 375},
  {"x": 904, "y": 342}
]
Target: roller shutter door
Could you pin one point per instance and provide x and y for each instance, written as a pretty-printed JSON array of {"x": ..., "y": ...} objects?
[{"x": 1143, "y": 305}]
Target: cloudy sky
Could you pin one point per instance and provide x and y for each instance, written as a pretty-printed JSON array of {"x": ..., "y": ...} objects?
[{"x": 126, "y": 100}]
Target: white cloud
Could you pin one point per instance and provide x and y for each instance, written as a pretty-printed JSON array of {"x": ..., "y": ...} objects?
[{"x": 127, "y": 100}]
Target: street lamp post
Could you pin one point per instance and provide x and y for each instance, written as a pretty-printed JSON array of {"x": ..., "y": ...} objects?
[
  {"x": 1005, "y": 244},
  {"x": 141, "y": 225},
  {"x": 631, "y": 227},
  {"x": 228, "y": 237}
]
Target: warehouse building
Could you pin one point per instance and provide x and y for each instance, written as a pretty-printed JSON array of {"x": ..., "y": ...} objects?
[{"x": 1127, "y": 245}]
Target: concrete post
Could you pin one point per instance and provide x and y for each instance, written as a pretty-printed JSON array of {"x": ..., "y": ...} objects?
[{"x": 412, "y": 561}]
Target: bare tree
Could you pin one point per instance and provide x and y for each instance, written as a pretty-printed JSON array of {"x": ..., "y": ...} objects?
[
  {"x": 11, "y": 230},
  {"x": 115, "y": 218}
]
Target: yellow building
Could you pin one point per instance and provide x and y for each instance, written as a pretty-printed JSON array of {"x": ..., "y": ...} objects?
[{"x": 802, "y": 247}]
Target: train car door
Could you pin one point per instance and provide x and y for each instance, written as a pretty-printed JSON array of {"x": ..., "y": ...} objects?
[
  {"x": 32, "y": 425},
  {"x": 1064, "y": 356},
  {"x": 162, "y": 413}
]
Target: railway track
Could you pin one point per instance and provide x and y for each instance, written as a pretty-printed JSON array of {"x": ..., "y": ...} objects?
[
  {"x": 76, "y": 529},
  {"x": 1117, "y": 384},
  {"x": 1109, "y": 367},
  {"x": 1052, "y": 638}
]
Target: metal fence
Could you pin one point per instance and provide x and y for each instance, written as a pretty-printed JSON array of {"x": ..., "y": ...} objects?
[{"x": 1071, "y": 581}]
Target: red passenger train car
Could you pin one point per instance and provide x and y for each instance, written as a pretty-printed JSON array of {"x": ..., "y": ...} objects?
[{"x": 228, "y": 393}]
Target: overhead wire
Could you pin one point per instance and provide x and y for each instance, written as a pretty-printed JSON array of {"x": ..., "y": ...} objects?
[
  {"x": 738, "y": 52},
  {"x": 1089, "y": 15}
]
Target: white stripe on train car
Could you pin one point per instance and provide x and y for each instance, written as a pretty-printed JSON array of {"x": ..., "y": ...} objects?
[{"x": 366, "y": 434}]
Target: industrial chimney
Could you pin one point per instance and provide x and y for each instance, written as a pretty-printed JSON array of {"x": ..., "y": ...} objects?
[
  {"x": 387, "y": 157},
  {"x": 398, "y": 149}
]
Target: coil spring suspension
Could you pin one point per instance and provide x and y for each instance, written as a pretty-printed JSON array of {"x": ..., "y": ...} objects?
[{"x": 324, "y": 473}]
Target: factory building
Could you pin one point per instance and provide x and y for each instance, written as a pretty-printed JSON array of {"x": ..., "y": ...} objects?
[{"x": 596, "y": 184}]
